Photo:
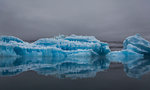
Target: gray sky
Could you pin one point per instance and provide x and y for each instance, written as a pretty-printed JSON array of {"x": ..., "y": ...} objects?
[{"x": 106, "y": 19}]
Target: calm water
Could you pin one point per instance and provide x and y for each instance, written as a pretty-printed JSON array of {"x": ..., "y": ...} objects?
[{"x": 35, "y": 73}]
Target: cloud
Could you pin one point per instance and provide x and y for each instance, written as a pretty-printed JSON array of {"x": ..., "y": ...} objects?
[{"x": 107, "y": 20}]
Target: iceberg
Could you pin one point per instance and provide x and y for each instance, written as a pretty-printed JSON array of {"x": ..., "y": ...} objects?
[
  {"x": 59, "y": 46},
  {"x": 134, "y": 48},
  {"x": 137, "y": 44}
]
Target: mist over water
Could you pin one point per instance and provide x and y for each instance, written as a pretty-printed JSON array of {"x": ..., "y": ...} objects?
[{"x": 111, "y": 20}]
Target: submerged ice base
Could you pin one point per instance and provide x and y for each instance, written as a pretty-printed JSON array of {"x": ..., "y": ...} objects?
[{"x": 63, "y": 46}]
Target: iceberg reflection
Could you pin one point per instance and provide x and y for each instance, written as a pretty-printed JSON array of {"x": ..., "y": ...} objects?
[
  {"x": 134, "y": 66},
  {"x": 137, "y": 68},
  {"x": 72, "y": 67},
  {"x": 59, "y": 67}
]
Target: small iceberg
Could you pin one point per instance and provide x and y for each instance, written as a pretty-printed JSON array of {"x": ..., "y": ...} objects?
[
  {"x": 134, "y": 48},
  {"x": 137, "y": 44},
  {"x": 62, "y": 46}
]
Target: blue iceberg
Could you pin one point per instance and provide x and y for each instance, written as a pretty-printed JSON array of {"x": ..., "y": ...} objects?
[
  {"x": 134, "y": 48},
  {"x": 137, "y": 44},
  {"x": 62, "y": 46}
]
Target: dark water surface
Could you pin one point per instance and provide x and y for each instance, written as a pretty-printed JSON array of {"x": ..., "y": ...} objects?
[
  {"x": 113, "y": 79},
  {"x": 96, "y": 73}
]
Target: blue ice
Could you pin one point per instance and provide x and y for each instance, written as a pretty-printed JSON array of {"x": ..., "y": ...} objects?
[
  {"x": 123, "y": 56},
  {"x": 134, "y": 47},
  {"x": 137, "y": 44},
  {"x": 62, "y": 46}
]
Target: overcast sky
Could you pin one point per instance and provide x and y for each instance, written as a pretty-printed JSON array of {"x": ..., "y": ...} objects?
[{"x": 106, "y": 19}]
